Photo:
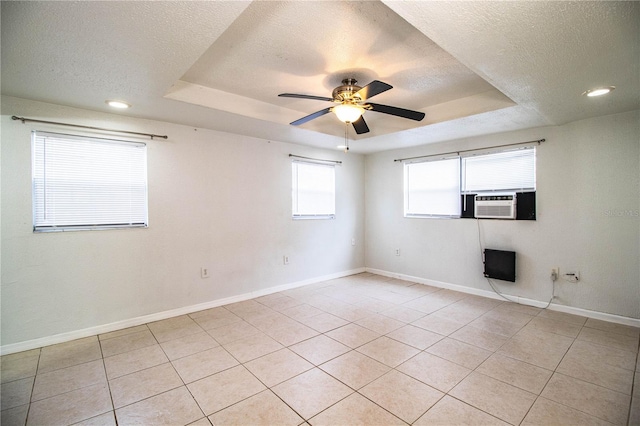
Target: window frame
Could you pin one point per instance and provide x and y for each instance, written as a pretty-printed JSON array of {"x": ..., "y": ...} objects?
[
  {"x": 295, "y": 193},
  {"x": 136, "y": 179}
]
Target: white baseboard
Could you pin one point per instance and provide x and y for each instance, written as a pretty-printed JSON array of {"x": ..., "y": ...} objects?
[
  {"x": 634, "y": 322},
  {"x": 132, "y": 322}
]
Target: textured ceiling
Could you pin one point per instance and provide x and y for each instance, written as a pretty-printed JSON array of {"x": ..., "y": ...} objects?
[{"x": 472, "y": 67}]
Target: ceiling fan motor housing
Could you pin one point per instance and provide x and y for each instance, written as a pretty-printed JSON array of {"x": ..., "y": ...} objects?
[{"x": 347, "y": 92}]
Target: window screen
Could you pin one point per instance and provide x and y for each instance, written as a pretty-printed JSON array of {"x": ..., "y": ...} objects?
[
  {"x": 432, "y": 188},
  {"x": 502, "y": 171},
  {"x": 87, "y": 183},
  {"x": 313, "y": 190}
]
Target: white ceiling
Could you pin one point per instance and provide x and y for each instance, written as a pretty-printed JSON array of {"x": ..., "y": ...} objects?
[{"x": 473, "y": 67}]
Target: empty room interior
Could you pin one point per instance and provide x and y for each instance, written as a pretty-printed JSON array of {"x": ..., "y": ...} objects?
[{"x": 320, "y": 213}]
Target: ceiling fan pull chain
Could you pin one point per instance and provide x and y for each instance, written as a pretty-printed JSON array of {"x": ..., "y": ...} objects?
[{"x": 346, "y": 137}]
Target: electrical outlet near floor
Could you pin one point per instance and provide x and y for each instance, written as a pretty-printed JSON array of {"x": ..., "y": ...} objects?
[
  {"x": 204, "y": 272},
  {"x": 398, "y": 252},
  {"x": 285, "y": 260}
]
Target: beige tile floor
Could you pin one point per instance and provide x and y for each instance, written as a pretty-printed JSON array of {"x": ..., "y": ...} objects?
[{"x": 364, "y": 349}]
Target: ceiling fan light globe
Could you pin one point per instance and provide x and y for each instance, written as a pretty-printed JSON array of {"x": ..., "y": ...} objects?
[{"x": 348, "y": 113}]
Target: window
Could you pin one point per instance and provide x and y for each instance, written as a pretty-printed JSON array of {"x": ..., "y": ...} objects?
[
  {"x": 313, "y": 190},
  {"x": 434, "y": 188},
  {"x": 501, "y": 171},
  {"x": 87, "y": 183}
]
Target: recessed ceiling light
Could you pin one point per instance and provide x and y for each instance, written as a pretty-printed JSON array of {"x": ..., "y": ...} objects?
[
  {"x": 599, "y": 91},
  {"x": 118, "y": 104}
]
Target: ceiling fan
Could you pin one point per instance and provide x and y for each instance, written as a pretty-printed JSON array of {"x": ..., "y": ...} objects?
[{"x": 352, "y": 103}]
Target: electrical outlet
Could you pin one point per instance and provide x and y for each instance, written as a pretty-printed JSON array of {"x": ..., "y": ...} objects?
[
  {"x": 285, "y": 260},
  {"x": 555, "y": 273},
  {"x": 397, "y": 252},
  {"x": 572, "y": 277},
  {"x": 204, "y": 272},
  {"x": 353, "y": 241}
]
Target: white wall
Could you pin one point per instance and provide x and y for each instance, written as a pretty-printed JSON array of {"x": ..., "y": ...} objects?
[
  {"x": 215, "y": 199},
  {"x": 223, "y": 201},
  {"x": 588, "y": 199}
]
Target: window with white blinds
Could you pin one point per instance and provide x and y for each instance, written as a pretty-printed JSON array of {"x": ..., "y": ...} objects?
[
  {"x": 432, "y": 188},
  {"x": 88, "y": 183},
  {"x": 502, "y": 171},
  {"x": 313, "y": 190}
]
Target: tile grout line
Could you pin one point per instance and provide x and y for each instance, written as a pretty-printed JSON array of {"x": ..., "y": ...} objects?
[
  {"x": 354, "y": 391},
  {"x": 104, "y": 366},
  {"x": 170, "y": 362},
  {"x": 226, "y": 369},
  {"x": 633, "y": 386},
  {"x": 494, "y": 352},
  {"x": 400, "y": 372},
  {"x": 466, "y": 403},
  {"x": 538, "y": 396},
  {"x": 161, "y": 393},
  {"x": 556, "y": 372},
  {"x": 269, "y": 388},
  {"x": 33, "y": 387}
]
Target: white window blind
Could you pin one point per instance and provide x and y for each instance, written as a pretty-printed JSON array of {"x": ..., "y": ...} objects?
[
  {"x": 502, "y": 171},
  {"x": 432, "y": 188},
  {"x": 88, "y": 183},
  {"x": 313, "y": 190}
]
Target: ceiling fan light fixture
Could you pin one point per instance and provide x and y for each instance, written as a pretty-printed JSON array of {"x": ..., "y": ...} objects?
[
  {"x": 352, "y": 101},
  {"x": 348, "y": 113}
]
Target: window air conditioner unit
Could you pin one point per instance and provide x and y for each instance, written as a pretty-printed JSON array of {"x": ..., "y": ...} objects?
[{"x": 495, "y": 206}]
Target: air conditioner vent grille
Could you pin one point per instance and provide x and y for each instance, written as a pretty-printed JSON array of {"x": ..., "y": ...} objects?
[{"x": 495, "y": 206}]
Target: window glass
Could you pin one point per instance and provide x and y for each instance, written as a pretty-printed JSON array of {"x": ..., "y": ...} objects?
[
  {"x": 313, "y": 190},
  {"x": 87, "y": 183},
  {"x": 432, "y": 188},
  {"x": 502, "y": 171}
]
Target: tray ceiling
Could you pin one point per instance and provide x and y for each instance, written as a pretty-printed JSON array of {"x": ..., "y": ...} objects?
[{"x": 257, "y": 57}]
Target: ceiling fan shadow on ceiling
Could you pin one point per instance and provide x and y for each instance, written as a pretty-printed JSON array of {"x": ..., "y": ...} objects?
[{"x": 352, "y": 103}]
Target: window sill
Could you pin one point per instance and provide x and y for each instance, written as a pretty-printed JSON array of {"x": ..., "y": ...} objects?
[
  {"x": 314, "y": 217},
  {"x": 45, "y": 229}
]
